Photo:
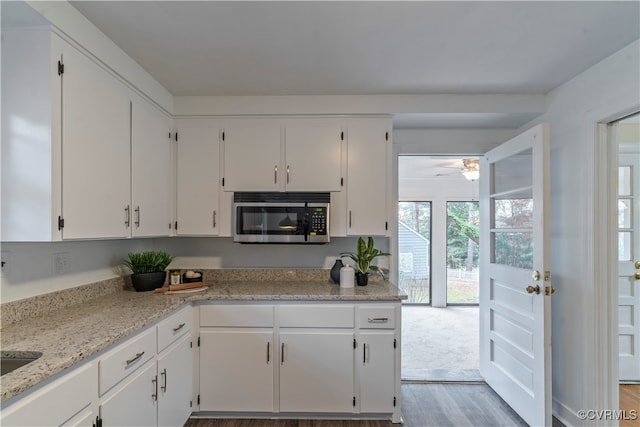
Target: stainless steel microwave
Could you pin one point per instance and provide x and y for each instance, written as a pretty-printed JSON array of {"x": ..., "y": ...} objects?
[{"x": 270, "y": 217}]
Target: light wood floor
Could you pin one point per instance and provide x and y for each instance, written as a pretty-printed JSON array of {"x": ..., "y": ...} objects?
[
  {"x": 630, "y": 401},
  {"x": 423, "y": 405}
]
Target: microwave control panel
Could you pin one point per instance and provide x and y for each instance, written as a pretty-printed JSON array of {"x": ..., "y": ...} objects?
[{"x": 317, "y": 221}]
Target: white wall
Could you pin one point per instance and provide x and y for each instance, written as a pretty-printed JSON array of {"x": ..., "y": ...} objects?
[{"x": 601, "y": 93}]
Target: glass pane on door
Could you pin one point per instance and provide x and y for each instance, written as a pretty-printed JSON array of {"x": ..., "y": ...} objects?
[
  {"x": 414, "y": 251},
  {"x": 462, "y": 252}
]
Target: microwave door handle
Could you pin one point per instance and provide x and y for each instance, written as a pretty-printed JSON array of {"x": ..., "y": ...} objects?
[{"x": 305, "y": 223}]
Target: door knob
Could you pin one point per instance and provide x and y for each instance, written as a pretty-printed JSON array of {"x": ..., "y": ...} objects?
[
  {"x": 535, "y": 275},
  {"x": 533, "y": 289},
  {"x": 637, "y": 275},
  {"x": 549, "y": 290},
  {"x": 637, "y": 265}
]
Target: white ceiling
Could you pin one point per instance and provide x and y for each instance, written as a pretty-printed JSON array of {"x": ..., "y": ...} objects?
[{"x": 366, "y": 48}]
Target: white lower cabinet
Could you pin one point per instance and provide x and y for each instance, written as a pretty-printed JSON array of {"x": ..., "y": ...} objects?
[
  {"x": 377, "y": 371},
  {"x": 316, "y": 371},
  {"x": 132, "y": 403},
  {"x": 302, "y": 358},
  {"x": 236, "y": 370},
  {"x": 142, "y": 386},
  {"x": 66, "y": 401},
  {"x": 174, "y": 382}
]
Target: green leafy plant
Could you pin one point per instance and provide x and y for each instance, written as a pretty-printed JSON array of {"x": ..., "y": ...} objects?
[
  {"x": 364, "y": 256},
  {"x": 148, "y": 261}
]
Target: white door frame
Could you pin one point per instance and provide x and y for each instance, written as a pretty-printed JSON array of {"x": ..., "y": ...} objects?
[{"x": 601, "y": 345}]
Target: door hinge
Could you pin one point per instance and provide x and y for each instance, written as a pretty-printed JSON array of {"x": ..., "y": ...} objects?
[
  {"x": 198, "y": 346},
  {"x": 191, "y": 344},
  {"x": 175, "y": 226},
  {"x": 198, "y": 399},
  {"x": 60, "y": 68},
  {"x": 354, "y": 401},
  {"x": 395, "y": 343},
  {"x": 176, "y": 136},
  {"x": 355, "y": 345},
  {"x": 223, "y": 135},
  {"x": 191, "y": 404},
  {"x": 386, "y": 225},
  {"x": 394, "y": 401},
  {"x": 341, "y": 182},
  {"x": 60, "y": 223},
  {"x": 223, "y": 181},
  {"x": 386, "y": 136},
  {"x": 169, "y": 135},
  {"x": 98, "y": 422},
  {"x": 342, "y": 136}
]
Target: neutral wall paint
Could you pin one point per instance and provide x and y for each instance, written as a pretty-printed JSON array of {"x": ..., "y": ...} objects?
[{"x": 609, "y": 88}]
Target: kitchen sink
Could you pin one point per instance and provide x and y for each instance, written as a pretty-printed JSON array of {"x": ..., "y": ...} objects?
[{"x": 12, "y": 360}]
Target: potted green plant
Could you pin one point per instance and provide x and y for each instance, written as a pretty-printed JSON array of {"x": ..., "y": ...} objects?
[
  {"x": 148, "y": 269},
  {"x": 363, "y": 257}
]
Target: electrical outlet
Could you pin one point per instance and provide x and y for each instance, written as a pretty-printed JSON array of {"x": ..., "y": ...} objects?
[
  {"x": 61, "y": 263},
  {"x": 6, "y": 263}
]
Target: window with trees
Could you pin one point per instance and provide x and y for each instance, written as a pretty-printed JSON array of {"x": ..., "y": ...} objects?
[
  {"x": 462, "y": 252},
  {"x": 414, "y": 248}
]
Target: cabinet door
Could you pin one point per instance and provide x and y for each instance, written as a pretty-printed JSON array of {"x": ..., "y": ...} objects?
[
  {"x": 313, "y": 156},
  {"x": 174, "y": 383},
  {"x": 316, "y": 371},
  {"x": 198, "y": 181},
  {"x": 252, "y": 159},
  {"x": 377, "y": 371},
  {"x": 150, "y": 171},
  {"x": 236, "y": 370},
  {"x": 367, "y": 180},
  {"x": 95, "y": 151},
  {"x": 134, "y": 402}
]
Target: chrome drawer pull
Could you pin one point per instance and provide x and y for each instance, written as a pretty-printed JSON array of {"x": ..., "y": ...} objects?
[
  {"x": 378, "y": 319},
  {"x": 180, "y": 326},
  {"x": 135, "y": 358}
]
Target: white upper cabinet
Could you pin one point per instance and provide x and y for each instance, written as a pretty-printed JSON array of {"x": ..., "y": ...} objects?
[
  {"x": 150, "y": 170},
  {"x": 95, "y": 150},
  {"x": 313, "y": 156},
  {"x": 252, "y": 158},
  {"x": 362, "y": 209},
  {"x": 68, "y": 125},
  {"x": 197, "y": 180},
  {"x": 282, "y": 156}
]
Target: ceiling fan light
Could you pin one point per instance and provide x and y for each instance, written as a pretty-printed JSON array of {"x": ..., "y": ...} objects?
[{"x": 471, "y": 174}]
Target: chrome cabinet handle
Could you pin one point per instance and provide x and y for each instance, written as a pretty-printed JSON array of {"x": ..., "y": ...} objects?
[
  {"x": 135, "y": 358},
  {"x": 180, "y": 326},
  {"x": 349, "y": 219},
  {"x": 127, "y": 216},
  {"x": 268, "y": 357},
  {"x": 154, "y": 381},
  {"x": 164, "y": 374},
  {"x": 137, "y": 221},
  {"x": 378, "y": 319},
  {"x": 275, "y": 174},
  {"x": 288, "y": 171},
  {"x": 214, "y": 219},
  {"x": 364, "y": 353},
  {"x": 282, "y": 354}
]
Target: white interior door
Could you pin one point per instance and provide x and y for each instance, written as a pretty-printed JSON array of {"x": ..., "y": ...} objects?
[
  {"x": 629, "y": 261},
  {"x": 515, "y": 310}
]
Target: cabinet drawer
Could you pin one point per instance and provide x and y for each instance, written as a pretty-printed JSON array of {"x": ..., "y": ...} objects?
[
  {"x": 316, "y": 316},
  {"x": 174, "y": 327},
  {"x": 56, "y": 402},
  {"x": 240, "y": 316},
  {"x": 126, "y": 358},
  {"x": 377, "y": 317}
]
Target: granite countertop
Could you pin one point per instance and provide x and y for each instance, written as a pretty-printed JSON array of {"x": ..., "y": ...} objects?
[{"x": 72, "y": 334}]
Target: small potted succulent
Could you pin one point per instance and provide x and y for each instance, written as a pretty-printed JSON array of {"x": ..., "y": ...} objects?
[
  {"x": 363, "y": 258},
  {"x": 148, "y": 269}
]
